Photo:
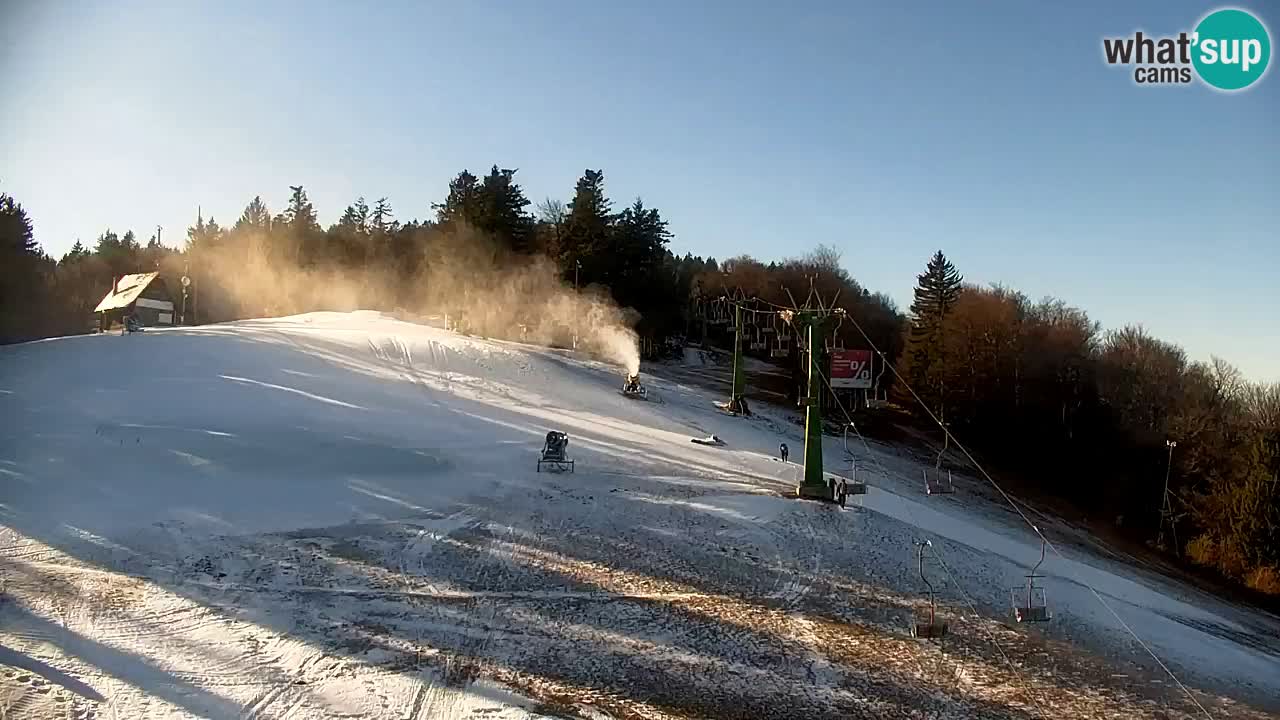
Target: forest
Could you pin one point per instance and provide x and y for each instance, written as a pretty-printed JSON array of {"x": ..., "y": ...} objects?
[{"x": 1100, "y": 420}]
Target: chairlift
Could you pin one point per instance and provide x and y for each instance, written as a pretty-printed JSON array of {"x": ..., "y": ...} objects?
[
  {"x": 875, "y": 402},
  {"x": 854, "y": 486},
  {"x": 783, "y": 339},
  {"x": 835, "y": 344},
  {"x": 936, "y": 480},
  {"x": 1030, "y": 604},
  {"x": 925, "y": 625}
]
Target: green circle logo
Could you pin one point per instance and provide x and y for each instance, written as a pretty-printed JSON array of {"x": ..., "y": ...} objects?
[{"x": 1232, "y": 49}]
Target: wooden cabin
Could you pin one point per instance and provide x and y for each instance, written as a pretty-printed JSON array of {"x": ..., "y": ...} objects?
[{"x": 144, "y": 295}]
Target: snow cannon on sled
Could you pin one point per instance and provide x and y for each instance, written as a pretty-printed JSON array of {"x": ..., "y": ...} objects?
[
  {"x": 633, "y": 389},
  {"x": 554, "y": 454}
]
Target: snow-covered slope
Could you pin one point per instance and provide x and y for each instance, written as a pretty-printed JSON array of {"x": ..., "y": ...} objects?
[{"x": 339, "y": 515}]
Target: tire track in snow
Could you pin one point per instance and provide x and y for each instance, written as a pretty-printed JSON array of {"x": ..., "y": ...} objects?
[
  {"x": 419, "y": 696},
  {"x": 280, "y": 688},
  {"x": 263, "y": 700}
]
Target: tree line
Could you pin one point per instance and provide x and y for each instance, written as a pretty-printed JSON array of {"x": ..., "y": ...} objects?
[
  {"x": 1080, "y": 414},
  {"x": 1104, "y": 419}
]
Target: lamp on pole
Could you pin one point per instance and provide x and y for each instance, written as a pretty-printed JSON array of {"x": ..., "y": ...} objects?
[
  {"x": 1166, "y": 509},
  {"x": 577, "y": 265}
]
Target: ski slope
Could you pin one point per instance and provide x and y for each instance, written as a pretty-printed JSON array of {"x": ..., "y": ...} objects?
[{"x": 338, "y": 515}]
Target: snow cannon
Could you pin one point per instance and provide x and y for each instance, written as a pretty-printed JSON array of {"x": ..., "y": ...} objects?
[
  {"x": 554, "y": 452},
  {"x": 633, "y": 389}
]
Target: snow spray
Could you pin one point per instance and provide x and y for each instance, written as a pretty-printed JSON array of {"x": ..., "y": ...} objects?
[{"x": 464, "y": 273}]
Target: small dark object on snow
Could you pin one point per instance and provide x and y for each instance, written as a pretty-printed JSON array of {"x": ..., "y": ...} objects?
[{"x": 554, "y": 452}]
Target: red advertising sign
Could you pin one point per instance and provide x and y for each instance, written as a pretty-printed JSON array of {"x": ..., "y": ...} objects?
[{"x": 851, "y": 369}]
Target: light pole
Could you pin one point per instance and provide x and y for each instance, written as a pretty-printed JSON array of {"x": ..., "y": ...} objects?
[
  {"x": 577, "y": 265},
  {"x": 1166, "y": 509}
]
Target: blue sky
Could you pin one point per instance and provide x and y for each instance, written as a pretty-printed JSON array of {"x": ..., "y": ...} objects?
[{"x": 999, "y": 136}]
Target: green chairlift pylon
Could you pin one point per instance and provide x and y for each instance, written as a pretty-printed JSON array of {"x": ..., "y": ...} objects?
[
  {"x": 814, "y": 324},
  {"x": 738, "y": 391}
]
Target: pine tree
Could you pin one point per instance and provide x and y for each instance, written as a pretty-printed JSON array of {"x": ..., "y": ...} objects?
[
  {"x": 355, "y": 219},
  {"x": 256, "y": 216},
  {"x": 381, "y": 219},
  {"x": 502, "y": 211},
  {"x": 302, "y": 239},
  {"x": 109, "y": 242},
  {"x": 22, "y": 280},
  {"x": 17, "y": 234},
  {"x": 494, "y": 206},
  {"x": 462, "y": 205},
  {"x": 642, "y": 273},
  {"x": 77, "y": 252},
  {"x": 587, "y": 226},
  {"x": 300, "y": 215},
  {"x": 937, "y": 290},
  {"x": 638, "y": 248},
  {"x": 203, "y": 236}
]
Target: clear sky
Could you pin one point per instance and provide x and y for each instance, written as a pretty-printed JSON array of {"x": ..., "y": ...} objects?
[{"x": 993, "y": 131}]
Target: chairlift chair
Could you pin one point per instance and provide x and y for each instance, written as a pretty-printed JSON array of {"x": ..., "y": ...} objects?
[
  {"x": 1030, "y": 604},
  {"x": 875, "y": 402},
  {"x": 780, "y": 348},
  {"x": 854, "y": 486},
  {"x": 836, "y": 344},
  {"x": 938, "y": 482},
  {"x": 935, "y": 482},
  {"x": 926, "y": 625}
]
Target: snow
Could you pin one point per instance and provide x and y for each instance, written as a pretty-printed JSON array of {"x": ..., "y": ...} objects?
[{"x": 338, "y": 515}]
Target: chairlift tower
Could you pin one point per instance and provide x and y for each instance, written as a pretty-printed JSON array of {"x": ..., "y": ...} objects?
[
  {"x": 814, "y": 324},
  {"x": 739, "y": 383},
  {"x": 737, "y": 390}
]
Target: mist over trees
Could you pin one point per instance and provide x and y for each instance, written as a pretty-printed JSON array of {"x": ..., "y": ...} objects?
[{"x": 1036, "y": 388}]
